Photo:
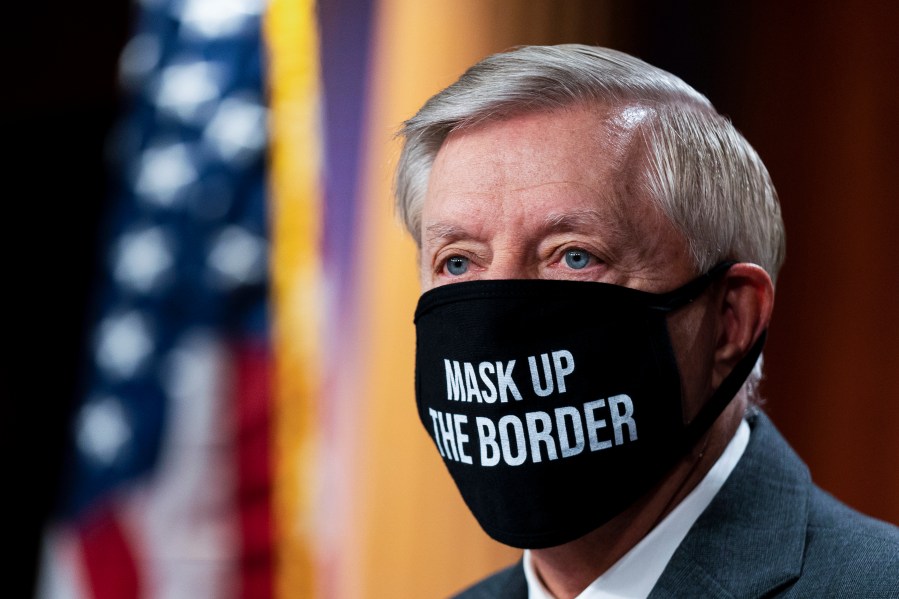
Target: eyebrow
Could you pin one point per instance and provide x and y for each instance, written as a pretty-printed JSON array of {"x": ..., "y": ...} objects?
[
  {"x": 614, "y": 230},
  {"x": 577, "y": 221},
  {"x": 443, "y": 231}
]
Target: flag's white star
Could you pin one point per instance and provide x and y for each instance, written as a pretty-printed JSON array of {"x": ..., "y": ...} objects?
[
  {"x": 102, "y": 430},
  {"x": 237, "y": 256},
  {"x": 124, "y": 342},
  {"x": 164, "y": 171},
  {"x": 139, "y": 57},
  {"x": 217, "y": 18},
  {"x": 237, "y": 129},
  {"x": 142, "y": 258},
  {"x": 184, "y": 89}
]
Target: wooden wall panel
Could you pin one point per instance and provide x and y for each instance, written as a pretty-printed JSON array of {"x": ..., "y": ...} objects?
[{"x": 818, "y": 99}]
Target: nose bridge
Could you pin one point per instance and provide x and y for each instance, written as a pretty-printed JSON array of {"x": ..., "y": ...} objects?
[{"x": 510, "y": 260}]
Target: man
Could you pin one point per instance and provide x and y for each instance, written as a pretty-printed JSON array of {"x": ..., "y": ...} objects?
[{"x": 598, "y": 251}]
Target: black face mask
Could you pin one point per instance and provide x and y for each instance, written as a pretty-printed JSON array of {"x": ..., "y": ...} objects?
[{"x": 556, "y": 404}]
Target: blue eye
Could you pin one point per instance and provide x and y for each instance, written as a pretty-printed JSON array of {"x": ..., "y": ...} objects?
[
  {"x": 457, "y": 265},
  {"x": 577, "y": 259}
]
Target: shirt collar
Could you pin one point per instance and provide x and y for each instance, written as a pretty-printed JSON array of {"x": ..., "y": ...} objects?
[{"x": 637, "y": 571}]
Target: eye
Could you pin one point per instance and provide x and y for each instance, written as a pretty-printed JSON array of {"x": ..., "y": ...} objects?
[
  {"x": 577, "y": 259},
  {"x": 457, "y": 265}
]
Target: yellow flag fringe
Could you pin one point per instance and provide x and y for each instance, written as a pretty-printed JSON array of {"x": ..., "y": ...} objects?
[{"x": 296, "y": 219}]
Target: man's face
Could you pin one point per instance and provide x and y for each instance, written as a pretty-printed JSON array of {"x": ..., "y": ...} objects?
[{"x": 552, "y": 195}]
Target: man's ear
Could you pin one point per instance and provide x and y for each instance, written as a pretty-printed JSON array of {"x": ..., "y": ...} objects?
[{"x": 746, "y": 303}]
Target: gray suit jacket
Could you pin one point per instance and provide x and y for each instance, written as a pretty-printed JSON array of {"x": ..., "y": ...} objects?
[{"x": 770, "y": 532}]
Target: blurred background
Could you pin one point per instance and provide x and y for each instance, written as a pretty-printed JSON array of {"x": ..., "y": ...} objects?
[{"x": 208, "y": 327}]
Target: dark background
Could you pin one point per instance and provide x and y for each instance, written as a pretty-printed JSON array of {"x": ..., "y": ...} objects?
[
  {"x": 812, "y": 86},
  {"x": 59, "y": 99}
]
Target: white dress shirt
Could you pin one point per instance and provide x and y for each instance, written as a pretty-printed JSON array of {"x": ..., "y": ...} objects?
[{"x": 638, "y": 570}]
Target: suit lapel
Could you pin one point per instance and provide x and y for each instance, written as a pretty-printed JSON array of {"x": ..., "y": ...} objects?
[
  {"x": 509, "y": 583},
  {"x": 515, "y": 586},
  {"x": 751, "y": 538}
]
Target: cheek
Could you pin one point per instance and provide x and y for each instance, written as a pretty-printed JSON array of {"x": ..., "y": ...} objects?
[{"x": 693, "y": 331}]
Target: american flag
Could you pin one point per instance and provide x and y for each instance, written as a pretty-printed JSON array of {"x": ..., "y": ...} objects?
[{"x": 167, "y": 483}]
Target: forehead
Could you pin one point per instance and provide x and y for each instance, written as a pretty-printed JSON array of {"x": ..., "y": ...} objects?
[
  {"x": 572, "y": 143},
  {"x": 579, "y": 158}
]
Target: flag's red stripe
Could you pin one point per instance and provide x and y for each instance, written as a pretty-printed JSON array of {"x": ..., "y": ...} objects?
[
  {"x": 254, "y": 471},
  {"x": 107, "y": 557}
]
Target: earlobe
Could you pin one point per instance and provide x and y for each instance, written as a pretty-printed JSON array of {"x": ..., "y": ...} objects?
[{"x": 746, "y": 304}]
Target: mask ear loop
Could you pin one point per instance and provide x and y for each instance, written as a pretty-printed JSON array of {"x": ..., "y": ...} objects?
[
  {"x": 725, "y": 392},
  {"x": 672, "y": 300},
  {"x": 731, "y": 384}
]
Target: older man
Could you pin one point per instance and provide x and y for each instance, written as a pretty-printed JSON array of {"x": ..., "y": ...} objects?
[{"x": 598, "y": 254}]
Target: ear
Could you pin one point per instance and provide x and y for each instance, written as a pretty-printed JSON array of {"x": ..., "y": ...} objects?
[{"x": 747, "y": 301}]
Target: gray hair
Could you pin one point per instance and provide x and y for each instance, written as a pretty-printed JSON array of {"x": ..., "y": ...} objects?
[{"x": 700, "y": 170}]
